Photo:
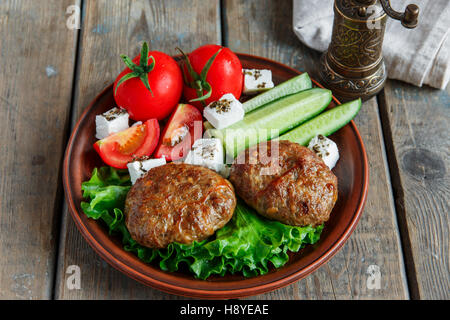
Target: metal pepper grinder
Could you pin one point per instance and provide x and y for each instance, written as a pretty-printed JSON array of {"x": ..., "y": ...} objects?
[{"x": 353, "y": 66}]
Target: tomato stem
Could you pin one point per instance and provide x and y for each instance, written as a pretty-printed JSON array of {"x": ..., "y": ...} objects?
[
  {"x": 140, "y": 71},
  {"x": 199, "y": 82}
]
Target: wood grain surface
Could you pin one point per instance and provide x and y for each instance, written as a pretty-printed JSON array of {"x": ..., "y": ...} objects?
[
  {"x": 37, "y": 51},
  {"x": 110, "y": 28},
  {"x": 49, "y": 74},
  {"x": 261, "y": 28},
  {"x": 417, "y": 127}
]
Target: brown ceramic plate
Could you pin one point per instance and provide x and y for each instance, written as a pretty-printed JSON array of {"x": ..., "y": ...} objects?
[{"x": 351, "y": 170}]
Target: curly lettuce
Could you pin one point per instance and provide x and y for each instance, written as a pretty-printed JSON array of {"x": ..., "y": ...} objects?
[{"x": 248, "y": 244}]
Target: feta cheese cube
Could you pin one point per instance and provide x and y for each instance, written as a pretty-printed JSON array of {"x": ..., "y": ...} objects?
[
  {"x": 112, "y": 121},
  {"x": 142, "y": 165},
  {"x": 326, "y": 149},
  {"x": 206, "y": 153},
  {"x": 256, "y": 80},
  {"x": 224, "y": 112}
]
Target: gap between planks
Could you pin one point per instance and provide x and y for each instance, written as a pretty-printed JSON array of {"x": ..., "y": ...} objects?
[
  {"x": 223, "y": 24},
  {"x": 61, "y": 205}
]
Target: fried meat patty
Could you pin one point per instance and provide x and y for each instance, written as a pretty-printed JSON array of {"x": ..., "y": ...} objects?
[
  {"x": 301, "y": 190},
  {"x": 178, "y": 203}
]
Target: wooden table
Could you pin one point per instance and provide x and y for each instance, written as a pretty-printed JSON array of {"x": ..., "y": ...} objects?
[{"x": 49, "y": 73}]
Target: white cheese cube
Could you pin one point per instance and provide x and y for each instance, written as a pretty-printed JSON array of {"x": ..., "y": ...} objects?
[
  {"x": 256, "y": 80},
  {"x": 112, "y": 121},
  {"x": 224, "y": 112},
  {"x": 326, "y": 149},
  {"x": 206, "y": 153},
  {"x": 141, "y": 166}
]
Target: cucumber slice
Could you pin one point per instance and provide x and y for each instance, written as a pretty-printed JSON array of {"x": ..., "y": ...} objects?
[
  {"x": 274, "y": 119},
  {"x": 294, "y": 85},
  {"x": 324, "y": 124},
  {"x": 291, "y": 86}
]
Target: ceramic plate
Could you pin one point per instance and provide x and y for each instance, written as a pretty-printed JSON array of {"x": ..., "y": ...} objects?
[{"x": 351, "y": 170}]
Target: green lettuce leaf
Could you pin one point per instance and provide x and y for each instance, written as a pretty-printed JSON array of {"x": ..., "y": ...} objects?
[{"x": 248, "y": 244}]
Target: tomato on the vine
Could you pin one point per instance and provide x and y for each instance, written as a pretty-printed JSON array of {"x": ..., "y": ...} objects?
[
  {"x": 211, "y": 71},
  {"x": 146, "y": 90}
]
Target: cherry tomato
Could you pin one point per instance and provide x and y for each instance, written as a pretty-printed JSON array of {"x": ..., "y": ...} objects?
[
  {"x": 223, "y": 76},
  {"x": 183, "y": 128},
  {"x": 149, "y": 88},
  {"x": 120, "y": 148}
]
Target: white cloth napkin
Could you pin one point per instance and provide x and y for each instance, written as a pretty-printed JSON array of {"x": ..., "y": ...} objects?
[{"x": 418, "y": 56}]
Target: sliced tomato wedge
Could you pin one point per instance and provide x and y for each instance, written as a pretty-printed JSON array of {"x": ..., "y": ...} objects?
[
  {"x": 120, "y": 148},
  {"x": 183, "y": 128}
]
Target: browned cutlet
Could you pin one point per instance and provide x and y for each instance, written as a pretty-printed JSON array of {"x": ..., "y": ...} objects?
[
  {"x": 178, "y": 203},
  {"x": 301, "y": 190}
]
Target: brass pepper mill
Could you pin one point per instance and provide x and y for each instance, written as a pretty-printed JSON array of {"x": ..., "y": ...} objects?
[{"x": 353, "y": 66}]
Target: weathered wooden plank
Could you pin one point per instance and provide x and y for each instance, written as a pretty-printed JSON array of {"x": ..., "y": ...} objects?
[
  {"x": 111, "y": 28},
  {"x": 416, "y": 123},
  {"x": 264, "y": 28},
  {"x": 37, "y": 51}
]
